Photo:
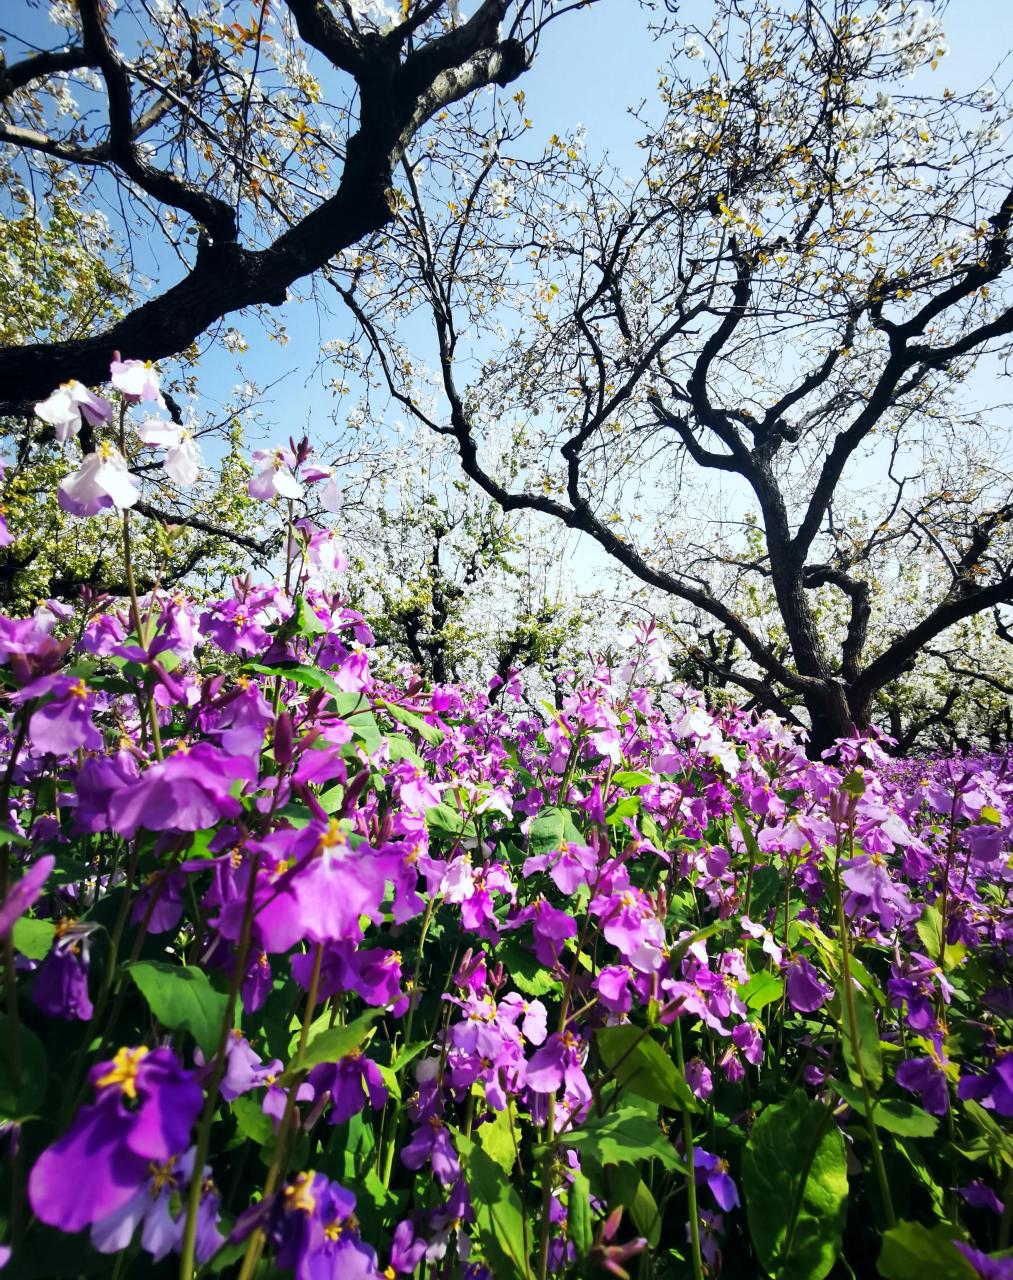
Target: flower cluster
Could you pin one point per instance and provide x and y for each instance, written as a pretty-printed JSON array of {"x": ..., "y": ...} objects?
[{"x": 427, "y": 980}]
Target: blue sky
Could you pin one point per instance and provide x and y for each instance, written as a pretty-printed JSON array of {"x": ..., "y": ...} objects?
[{"x": 591, "y": 66}]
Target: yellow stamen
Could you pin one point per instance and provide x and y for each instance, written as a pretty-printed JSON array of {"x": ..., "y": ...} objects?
[{"x": 124, "y": 1072}]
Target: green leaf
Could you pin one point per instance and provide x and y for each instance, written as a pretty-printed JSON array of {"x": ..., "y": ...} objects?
[
  {"x": 499, "y": 1214},
  {"x": 34, "y": 938},
  {"x": 409, "y": 1053},
  {"x": 578, "y": 1214},
  {"x": 625, "y": 807},
  {"x": 552, "y": 829},
  {"x": 895, "y": 1115},
  {"x": 443, "y": 820},
  {"x": 763, "y": 988},
  {"x": 913, "y": 1252},
  {"x": 795, "y": 1179},
  {"x": 20, "y": 1103},
  {"x": 748, "y": 839},
  {"x": 640, "y": 1064},
  {"x": 526, "y": 973},
  {"x": 499, "y": 1136},
  {"x": 990, "y": 815},
  {"x": 251, "y": 1121},
  {"x": 309, "y": 677},
  {"x": 401, "y": 749},
  {"x": 631, "y": 1191},
  {"x": 930, "y": 930},
  {"x": 307, "y": 620},
  {"x": 427, "y": 732},
  {"x": 862, "y": 1055},
  {"x": 181, "y": 997},
  {"x": 631, "y": 778},
  {"x": 335, "y": 1043},
  {"x": 624, "y": 1135}
]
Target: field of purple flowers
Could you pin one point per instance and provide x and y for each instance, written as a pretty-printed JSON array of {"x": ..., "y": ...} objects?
[{"x": 307, "y": 974}]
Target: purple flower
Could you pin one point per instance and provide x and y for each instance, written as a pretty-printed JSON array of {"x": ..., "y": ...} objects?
[
  {"x": 994, "y": 1090},
  {"x": 927, "y": 1076},
  {"x": 714, "y": 1171},
  {"x": 806, "y": 993},
  {"x": 431, "y": 1142},
  {"x": 102, "y": 480},
  {"x": 699, "y": 1078},
  {"x": 145, "y": 1107},
  {"x": 61, "y": 983},
  {"x": 613, "y": 988},
  {"x": 151, "y": 1208},
  {"x": 188, "y": 791},
  {"x": 24, "y": 892},
  {"x": 871, "y": 892},
  {"x": 63, "y": 724},
  {"x": 311, "y": 1224},
  {"x": 978, "y": 1196},
  {"x": 558, "y": 1062},
  {"x": 351, "y": 1082},
  {"x": 986, "y": 1268}
]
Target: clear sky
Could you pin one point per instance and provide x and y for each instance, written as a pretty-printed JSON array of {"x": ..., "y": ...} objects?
[{"x": 591, "y": 66}]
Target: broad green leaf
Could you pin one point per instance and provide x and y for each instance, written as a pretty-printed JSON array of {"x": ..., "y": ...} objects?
[
  {"x": 624, "y": 1135},
  {"x": 862, "y": 1054},
  {"x": 631, "y": 778},
  {"x": 334, "y": 1043},
  {"x": 930, "y": 930},
  {"x": 443, "y": 820},
  {"x": 630, "y": 1190},
  {"x": 499, "y": 1136},
  {"x": 641, "y": 1065},
  {"x": 401, "y": 749},
  {"x": 895, "y": 1115},
  {"x": 251, "y": 1121},
  {"x": 180, "y": 997},
  {"x": 914, "y": 1252},
  {"x": 408, "y": 1054},
  {"x": 552, "y": 829},
  {"x": 504, "y": 1234},
  {"x": 763, "y": 988},
  {"x": 794, "y": 1175},
  {"x": 309, "y": 677},
  {"x": 624, "y": 807},
  {"x": 526, "y": 973},
  {"x": 20, "y": 1103},
  {"x": 307, "y": 621},
  {"x": 578, "y": 1214},
  {"x": 34, "y": 938},
  {"x": 412, "y": 720}
]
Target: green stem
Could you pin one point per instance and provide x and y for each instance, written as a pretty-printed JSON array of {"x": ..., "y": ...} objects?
[
  {"x": 687, "y": 1135},
  {"x": 867, "y": 1098},
  {"x": 257, "y": 1239},
  {"x": 187, "y": 1265},
  {"x": 547, "y": 1163}
]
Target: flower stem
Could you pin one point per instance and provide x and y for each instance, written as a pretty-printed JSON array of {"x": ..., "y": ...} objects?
[
  {"x": 687, "y": 1135},
  {"x": 257, "y": 1239},
  {"x": 852, "y": 1015},
  {"x": 187, "y": 1249}
]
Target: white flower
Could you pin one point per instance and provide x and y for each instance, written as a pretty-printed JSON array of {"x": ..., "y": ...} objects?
[
  {"x": 101, "y": 481},
  {"x": 183, "y": 458},
  {"x": 274, "y": 475},
  {"x": 331, "y": 497},
  {"x": 135, "y": 379},
  {"x": 64, "y": 408}
]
